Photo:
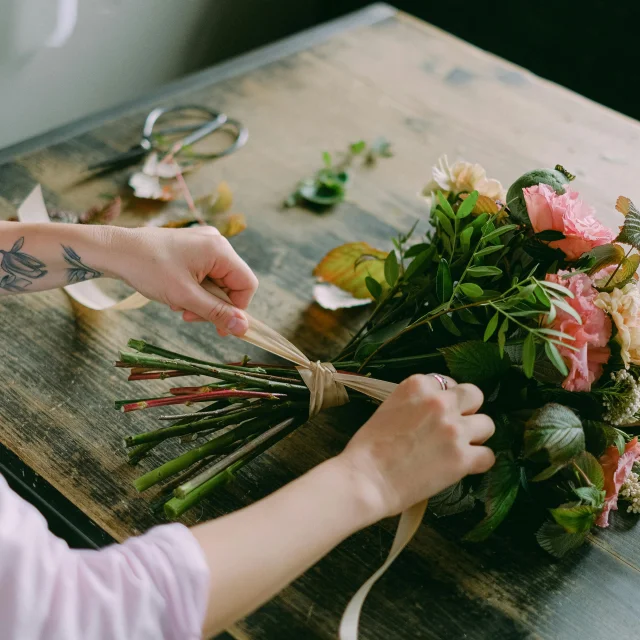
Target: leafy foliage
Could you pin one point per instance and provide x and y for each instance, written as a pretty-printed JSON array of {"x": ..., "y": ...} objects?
[
  {"x": 630, "y": 230},
  {"x": 501, "y": 484},
  {"x": 557, "y": 430},
  {"x": 454, "y": 499},
  {"x": 475, "y": 361}
]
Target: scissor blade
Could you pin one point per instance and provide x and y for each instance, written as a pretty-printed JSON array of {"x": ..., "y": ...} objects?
[{"x": 125, "y": 159}]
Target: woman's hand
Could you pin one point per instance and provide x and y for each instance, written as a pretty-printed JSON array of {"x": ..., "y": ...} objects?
[
  {"x": 169, "y": 266},
  {"x": 420, "y": 441}
]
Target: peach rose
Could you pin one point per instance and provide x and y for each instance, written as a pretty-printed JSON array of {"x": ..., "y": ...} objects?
[
  {"x": 616, "y": 469},
  {"x": 591, "y": 337},
  {"x": 624, "y": 307},
  {"x": 568, "y": 214}
]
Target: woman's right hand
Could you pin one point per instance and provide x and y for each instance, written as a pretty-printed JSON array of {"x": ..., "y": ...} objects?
[{"x": 420, "y": 441}]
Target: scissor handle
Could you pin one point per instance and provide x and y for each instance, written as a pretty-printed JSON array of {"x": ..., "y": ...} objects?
[{"x": 218, "y": 120}]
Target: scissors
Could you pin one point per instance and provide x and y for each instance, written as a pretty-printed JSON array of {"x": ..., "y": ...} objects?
[{"x": 209, "y": 121}]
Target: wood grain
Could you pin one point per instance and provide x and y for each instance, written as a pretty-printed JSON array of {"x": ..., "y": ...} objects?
[{"x": 428, "y": 93}]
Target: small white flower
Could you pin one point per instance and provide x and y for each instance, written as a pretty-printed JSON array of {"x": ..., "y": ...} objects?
[
  {"x": 623, "y": 405},
  {"x": 463, "y": 177},
  {"x": 630, "y": 491}
]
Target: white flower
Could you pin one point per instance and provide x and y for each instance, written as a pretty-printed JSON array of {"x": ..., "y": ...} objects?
[
  {"x": 623, "y": 305},
  {"x": 622, "y": 405},
  {"x": 463, "y": 177},
  {"x": 630, "y": 491}
]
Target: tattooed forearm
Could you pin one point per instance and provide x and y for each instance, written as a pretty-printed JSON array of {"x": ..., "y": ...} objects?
[
  {"x": 20, "y": 268},
  {"x": 78, "y": 271}
]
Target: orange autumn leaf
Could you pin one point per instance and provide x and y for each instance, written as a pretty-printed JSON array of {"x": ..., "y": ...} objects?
[
  {"x": 229, "y": 224},
  {"x": 348, "y": 265}
]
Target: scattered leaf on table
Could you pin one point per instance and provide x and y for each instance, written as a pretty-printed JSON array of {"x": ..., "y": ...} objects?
[
  {"x": 105, "y": 214},
  {"x": 348, "y": 265},
  {"x": 228, "y": 224},
  {"x": 217, "y": 202},
  {"x": 328, "y": 296}
]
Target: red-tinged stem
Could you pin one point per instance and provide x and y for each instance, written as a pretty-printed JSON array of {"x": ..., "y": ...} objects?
[
  {"x": 156, "y": 375},
  {"x": 200, "y": 397},
  {"x": 207, "y": 388}
]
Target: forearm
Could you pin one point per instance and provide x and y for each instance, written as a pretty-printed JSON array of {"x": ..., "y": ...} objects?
[
  {"x": 36, "y": 257},
  {"x": 256, "y": 552}
]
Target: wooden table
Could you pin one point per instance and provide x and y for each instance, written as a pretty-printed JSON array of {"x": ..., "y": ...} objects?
[{"x": 374, "y": 73}]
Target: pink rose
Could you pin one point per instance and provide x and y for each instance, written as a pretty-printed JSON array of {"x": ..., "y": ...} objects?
[
  {"x": 568, "y": 214},
  {"x": 591, "y": 337},
  {"x": 616, "y": 469}
]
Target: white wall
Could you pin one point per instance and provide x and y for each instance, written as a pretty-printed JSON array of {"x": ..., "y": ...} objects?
[{"x": 121, "y": 49}]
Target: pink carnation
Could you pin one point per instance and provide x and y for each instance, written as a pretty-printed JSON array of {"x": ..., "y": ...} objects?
[
  {"x": 616, "y": 469},
  {"x": 568, "y": 214},
  {"x": 591, "y": 337}
]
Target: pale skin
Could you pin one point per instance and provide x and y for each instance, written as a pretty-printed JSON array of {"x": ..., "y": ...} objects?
[{"x": 420, "y": 441}]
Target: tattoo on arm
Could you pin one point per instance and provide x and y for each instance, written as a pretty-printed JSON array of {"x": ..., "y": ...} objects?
[
  {"x": 20, "y": 268},
  {"x": 78, "y": 271}
]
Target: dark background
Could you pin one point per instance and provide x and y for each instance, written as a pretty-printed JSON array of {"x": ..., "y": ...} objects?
[{"x": 591, "y": 47}]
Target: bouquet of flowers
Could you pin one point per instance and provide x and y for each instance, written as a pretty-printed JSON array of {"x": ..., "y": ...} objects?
[{"x": 521, "y": 292}]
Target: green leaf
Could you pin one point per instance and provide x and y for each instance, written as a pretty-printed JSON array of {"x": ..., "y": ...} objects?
[
  {"x": 357, "y": 147},
  {"x": 557, "y": 288},
  {"x": 487, "y": 250},
  {"x": 529, "y": 355},
  {"x": 465, "y": 239},
  {"x": 454, "y": 499},
  {"x": 549, "y": 235},
  {"x": 446, "y": 207},
  {"x": 416, "y": 249},
  {"x": 591, "y": 468},
  {"x": 554, "y": 355},
  {"x": 471, "y": 290},
  {"x": 445, "y": 223},
  {"x": 467, "y": 205},
  {"x": 418, "y": 262},
  {"x": 374, "y": 287},
  {"x": 491, "y": 326},
  {"x": 502, "y": 335},
  {"x": 543, "y": 298},
  {"x": 556, "y": 541},
  {"x": 326, "y": 159},
  {"x": 591, "y": 495},
  {"x": 601, "y": 435},
  {"x": 450, "y": 325},
  {"x": 467, "y": 315},
  {"x": 500, "y": 231},
  {"x": 444, "y": 283},
  {"x": 557, "y": 430},
  {"x": 475, "y": 361},
  {"x": 484, "y": 271},
  {"x": 377, "y": 337},
  {"x": 391, "y": 268},
  {"x": 478, "y": 223},
  {"x": 630, "y": 231},
  {"x": 600, "y": 257},
  {"x": 625, "y": 272},
  {"x": 501, "y": 485},
  {"x": 575, "y": 518}
]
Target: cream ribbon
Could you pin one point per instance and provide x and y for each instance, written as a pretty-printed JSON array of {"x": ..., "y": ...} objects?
[{"x": 327, "y": 389}]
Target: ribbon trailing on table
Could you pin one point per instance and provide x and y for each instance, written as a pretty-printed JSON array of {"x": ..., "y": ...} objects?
[{"x": 327, "y": 388}]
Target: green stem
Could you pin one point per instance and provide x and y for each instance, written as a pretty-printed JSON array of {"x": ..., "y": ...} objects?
[
  {"x": 213, "y": 372},
  {"x": 617, "y": 268},
  {"x": 227, "y": 461},
  {"x": 137, "y": 453},
  {"x": 189, "y": 458},
  {"x": 175, "y": 507},
  {"x": 195, "y": 426}
]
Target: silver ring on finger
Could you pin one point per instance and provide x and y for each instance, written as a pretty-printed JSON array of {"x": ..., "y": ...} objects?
[{"x": 444, "y": 385}]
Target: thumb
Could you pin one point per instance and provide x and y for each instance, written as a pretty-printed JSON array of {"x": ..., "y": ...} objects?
[{"x": 224, "y": 316}]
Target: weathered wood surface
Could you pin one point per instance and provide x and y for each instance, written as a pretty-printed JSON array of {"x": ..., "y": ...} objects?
[{"x": 428, "y": 93}]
